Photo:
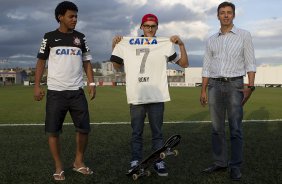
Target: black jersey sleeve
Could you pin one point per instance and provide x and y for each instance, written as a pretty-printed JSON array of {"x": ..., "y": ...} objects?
[
  {"x": 44, "y": 50},
  {"x": 85, "y": 47},
  {"x": 116, "y": 59}
]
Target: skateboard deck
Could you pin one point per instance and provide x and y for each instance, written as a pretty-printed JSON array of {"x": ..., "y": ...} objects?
[{"x": 166, "y": 150}]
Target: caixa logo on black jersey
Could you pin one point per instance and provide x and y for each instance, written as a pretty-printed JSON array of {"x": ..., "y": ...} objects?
[
  {"x": 43, "y": 46},
  {"x": 72, "y": 52}
]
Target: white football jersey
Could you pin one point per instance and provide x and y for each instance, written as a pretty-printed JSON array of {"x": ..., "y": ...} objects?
[
  {"x": 145, "y": 64},
  {"x": 65, "y": 53}
]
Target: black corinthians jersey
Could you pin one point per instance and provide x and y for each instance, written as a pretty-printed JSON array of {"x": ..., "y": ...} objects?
[{"x": 65, "y": 53}]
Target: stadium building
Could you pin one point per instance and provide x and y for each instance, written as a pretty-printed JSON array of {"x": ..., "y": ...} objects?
[
  {"x": 10, "y": 77},
  {"x": 266, "y": 76}
]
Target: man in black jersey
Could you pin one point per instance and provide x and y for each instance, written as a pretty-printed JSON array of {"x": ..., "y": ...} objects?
[{"x": 67, "y": 54}]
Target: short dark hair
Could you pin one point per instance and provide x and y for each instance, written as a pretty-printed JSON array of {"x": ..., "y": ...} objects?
[
  {"x": 224, "y": 4},
  {"x": 62, "y": 8}
]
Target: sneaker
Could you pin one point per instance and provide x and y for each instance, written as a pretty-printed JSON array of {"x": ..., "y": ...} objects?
[
  {"x": 133, "y": 164},
  {"x": 159, "y": 167}
]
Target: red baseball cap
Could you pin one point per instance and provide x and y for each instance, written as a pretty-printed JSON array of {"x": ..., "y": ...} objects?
[{"x": 149, "y": 17}]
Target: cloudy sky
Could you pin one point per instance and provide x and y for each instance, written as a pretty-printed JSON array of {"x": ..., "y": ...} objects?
[{"x": 23, "y": 24}]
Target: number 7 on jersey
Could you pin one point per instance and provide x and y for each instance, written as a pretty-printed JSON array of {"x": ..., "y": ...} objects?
[{"x": 144, "y": 59}]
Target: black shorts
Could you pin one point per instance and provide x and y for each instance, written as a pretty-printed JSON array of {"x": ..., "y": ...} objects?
[{"x": 59, "y": 103}]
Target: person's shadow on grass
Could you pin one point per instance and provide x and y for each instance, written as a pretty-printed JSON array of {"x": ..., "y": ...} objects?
[
  {"x": 200, "y": 116},
  {"x": 259, "y": 114}
]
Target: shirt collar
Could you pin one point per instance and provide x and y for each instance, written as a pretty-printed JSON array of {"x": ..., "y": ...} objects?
[{"x": 233, "y": 30}]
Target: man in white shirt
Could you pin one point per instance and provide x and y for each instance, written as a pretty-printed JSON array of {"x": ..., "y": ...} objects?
[
  {"x": 229, "y": 55},
  {"x": 145, "y": 63}
]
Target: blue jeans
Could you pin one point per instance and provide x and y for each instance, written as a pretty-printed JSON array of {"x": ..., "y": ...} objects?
[
  {"x": 226, "y": 97},
  {"x": 138, "y": 113}
]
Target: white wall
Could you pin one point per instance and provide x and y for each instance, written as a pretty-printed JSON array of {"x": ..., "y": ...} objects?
[
  {"x": 269, "y": 75},
  {"x": 264, "y": 75},
  {"x": 107, "y": 68},
  {"x": 193, "y": 75},
  {"x": 173, "y": 72}
]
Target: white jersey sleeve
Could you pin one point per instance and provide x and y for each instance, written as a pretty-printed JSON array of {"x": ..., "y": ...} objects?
[{"x": 145, "y": 64}]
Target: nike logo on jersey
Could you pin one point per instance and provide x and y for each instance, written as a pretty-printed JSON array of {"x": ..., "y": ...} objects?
[{"x": 56, "y": 40}]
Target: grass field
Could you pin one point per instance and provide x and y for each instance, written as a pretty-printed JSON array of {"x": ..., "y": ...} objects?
[
  {"x": 25, "y": 156},
  {"x": 18, "y": 106}
]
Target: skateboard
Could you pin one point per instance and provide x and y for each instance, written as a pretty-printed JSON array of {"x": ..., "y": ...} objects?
[{"x": 166, "y": 150}]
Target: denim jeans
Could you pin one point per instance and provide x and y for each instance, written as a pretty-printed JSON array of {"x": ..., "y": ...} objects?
[
  {"x": 155, "y": 112},
  {"x": 225, "y": 98}
]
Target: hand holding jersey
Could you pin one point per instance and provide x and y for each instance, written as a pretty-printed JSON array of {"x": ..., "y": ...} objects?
[
  {"x": 176, "y": 40},
  {"x": 141, "y": 56},
  {"x": 116, "y": 40}
]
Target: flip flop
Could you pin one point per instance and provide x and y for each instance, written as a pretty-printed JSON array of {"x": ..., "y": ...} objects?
[
  {"x": 59, "y": 177},
  {"x": 83, "y": 170}
]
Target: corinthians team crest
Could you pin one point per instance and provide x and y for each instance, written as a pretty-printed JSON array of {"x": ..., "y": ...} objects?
[{"x": 76, "y": 41}]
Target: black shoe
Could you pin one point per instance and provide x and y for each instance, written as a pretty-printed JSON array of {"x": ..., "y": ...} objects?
[
  {"x": 214, "y": 168},
  {"x": 160, "y": 169},
  {"x": 133, "y": 164},
  {"x": 235, "y": 174}
]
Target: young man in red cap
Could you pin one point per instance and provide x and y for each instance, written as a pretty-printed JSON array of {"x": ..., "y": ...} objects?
[{"x": 145, "y": 62}]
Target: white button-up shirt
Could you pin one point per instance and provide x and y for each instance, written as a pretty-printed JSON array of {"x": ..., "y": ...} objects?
[{"x": 229, "y": 55}]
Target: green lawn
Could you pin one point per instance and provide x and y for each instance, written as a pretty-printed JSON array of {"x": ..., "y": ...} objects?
[
  {"x": 25, "y": 157},
  {"x": 17, "y": 105}
]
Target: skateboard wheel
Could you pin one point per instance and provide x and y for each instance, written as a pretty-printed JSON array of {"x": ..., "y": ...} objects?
[
  {"x": 162, "y": 155},
  {"x": 175, "y": 152},
  {"x": 147, "y": 173},
  {"x": 134, "y": 176}
]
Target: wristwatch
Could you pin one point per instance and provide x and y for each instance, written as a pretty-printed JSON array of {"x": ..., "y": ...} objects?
[
  {"x": 252, "y": 88},
  {"x": 92, "y": 84}
]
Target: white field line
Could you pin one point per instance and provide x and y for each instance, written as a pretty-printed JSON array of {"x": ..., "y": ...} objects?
[{"x": 126, "y": 123}]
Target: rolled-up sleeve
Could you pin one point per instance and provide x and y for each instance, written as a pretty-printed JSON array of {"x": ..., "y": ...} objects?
[
  {"x": 249, "y": 54},
  {"x": 206, "y": 61}
]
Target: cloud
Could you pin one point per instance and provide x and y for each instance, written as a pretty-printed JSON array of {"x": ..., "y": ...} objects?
[
  {"x": 196, "y": 6},
  {"x": 23, "y": 24},
  {"x": 39, "y": 15},
  {"x": 187, "y": 30},
  {"x": 267, "y": 28},
  {"x": 274, "y": 61},
  {"x": 17, "y": 15},
  {"x": 267, "y": 40},
  {"x": 133, "y": 3},
  {"x": 21, "y": 56},
  {"x": 8, "y": 35}
]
